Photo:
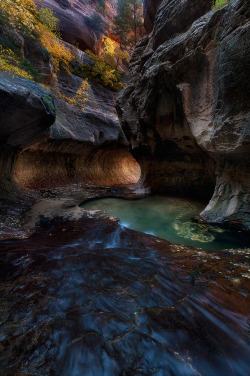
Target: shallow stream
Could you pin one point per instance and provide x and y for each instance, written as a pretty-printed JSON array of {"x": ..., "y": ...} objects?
[
  {"x": 169, "y": 218},
  {"x": 90, "y": 297}
]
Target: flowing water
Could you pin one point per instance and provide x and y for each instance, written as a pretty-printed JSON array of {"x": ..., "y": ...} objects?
[
  {"x": 93, "y": 298},
  {"x": 169, "y": 218}
]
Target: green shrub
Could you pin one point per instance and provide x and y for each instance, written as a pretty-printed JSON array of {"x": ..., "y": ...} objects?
[
  {"x": 100, "y": 72},
  {"x": 100, "y": 5},
  {"x": 95, "y": 23},
  {"x": 219, "y": 4},
  {"x": 28, "y": 67}
]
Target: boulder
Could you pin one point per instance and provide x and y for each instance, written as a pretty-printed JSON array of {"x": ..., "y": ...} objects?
[{"x": 97, "y": 124}]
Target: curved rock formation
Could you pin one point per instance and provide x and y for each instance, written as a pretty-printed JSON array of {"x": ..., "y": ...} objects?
[
  {"x": 83, "y": 147},
  {"x": 186, "y": 110},
  {"x": 26, "y": 113},
  {"x": 76, "y": 164}
]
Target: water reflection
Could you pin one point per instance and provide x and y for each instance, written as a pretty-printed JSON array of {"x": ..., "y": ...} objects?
[{"x": 169, "y": 218}]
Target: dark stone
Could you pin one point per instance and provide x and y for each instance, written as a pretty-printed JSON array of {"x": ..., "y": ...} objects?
[
  {"x": 149, "y": 11},
  {"x": 115, "y": 302},
  {"x": 192, "y": 90},
  {"x": 176, "y": 16}
]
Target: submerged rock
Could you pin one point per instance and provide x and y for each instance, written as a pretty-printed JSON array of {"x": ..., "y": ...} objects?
[
  {"x": 117, "y": 302},
  {"x": 186, "y": 110}
]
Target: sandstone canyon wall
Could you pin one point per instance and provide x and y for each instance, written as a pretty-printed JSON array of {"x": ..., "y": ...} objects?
[
  {"x": 26, "y": 113},
  {"x": 77, "y": 146},
  {"x": 77, "y": 21},
  {"x": 186, "y": 109}
]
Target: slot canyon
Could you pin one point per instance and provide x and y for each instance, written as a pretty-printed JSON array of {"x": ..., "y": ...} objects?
[{"x": 124, "y": 187}]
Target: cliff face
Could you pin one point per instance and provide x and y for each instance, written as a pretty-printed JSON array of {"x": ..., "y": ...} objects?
[
  {"x": 186, "y": 110},
  {"x": 79, "y": 22},
  {"x": 26, "y": 113},
  {"x": 81, "y": 146},
  {"x": 149, "y": 11}
]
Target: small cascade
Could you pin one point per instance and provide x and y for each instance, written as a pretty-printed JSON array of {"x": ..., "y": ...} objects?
[
  {"x": 114, "y": 239},
  {"x": 169, "y": 218}
]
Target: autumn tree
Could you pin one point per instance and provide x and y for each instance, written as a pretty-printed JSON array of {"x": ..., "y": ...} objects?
[{"x": 111, "y": 52}]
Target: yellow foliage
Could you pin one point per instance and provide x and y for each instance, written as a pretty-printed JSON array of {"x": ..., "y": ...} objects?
[
  {"x": 9, "y": 63},
  {"x": 108, "y": 48},
  {"x": 110, "y": 51},
  {"x": 22, "y": 15},
  {"x": 101, "y": 71},
  {"x": 57, "y": 49},
  {"x": 48, "y": 18},
  {"x": 81, "y": 97}
]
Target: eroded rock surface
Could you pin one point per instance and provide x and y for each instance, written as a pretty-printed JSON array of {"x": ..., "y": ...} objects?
[
  {"x": 83, "y": 146},
  {"x": 175, "y": 16},
  {"x": 79, "y": 22},
  {"x": 26, "y": 113},
  {"x": 186, "y": 110},
  {"x": 149, "y": 9}
]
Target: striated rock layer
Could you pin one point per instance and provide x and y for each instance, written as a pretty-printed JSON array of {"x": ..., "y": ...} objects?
[
  {"x": 26, "y": 113},
  {"x": 186, "y": 110},
  {"x": 76, "y": 146},
  {"x": 86, "y": 147},
  {"x": 149, "y": 12},
  {"x": 79, "y": 22}
]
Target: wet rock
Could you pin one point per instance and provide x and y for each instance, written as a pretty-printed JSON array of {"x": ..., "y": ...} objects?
[
  {"x": 26, "y": 113},
  {"x": 186, "y": 109},
  {"x": 76, "y": 300}
]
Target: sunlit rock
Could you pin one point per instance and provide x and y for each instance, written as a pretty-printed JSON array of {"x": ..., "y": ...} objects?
[{"x": 26, "y": 113}]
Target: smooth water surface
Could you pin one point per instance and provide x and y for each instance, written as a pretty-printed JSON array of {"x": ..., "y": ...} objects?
[{"x": 169, "y": 218}]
